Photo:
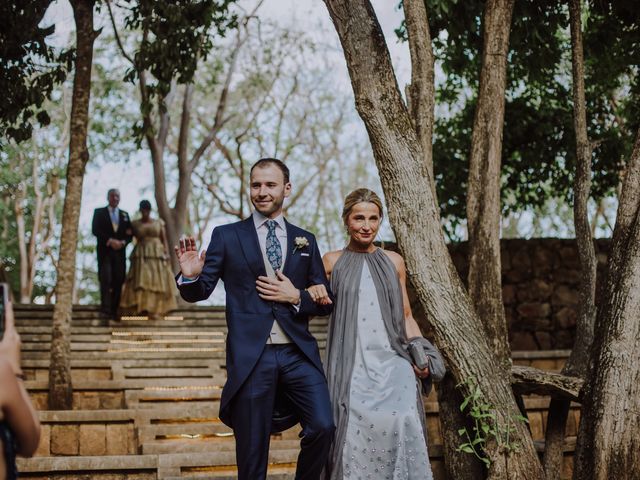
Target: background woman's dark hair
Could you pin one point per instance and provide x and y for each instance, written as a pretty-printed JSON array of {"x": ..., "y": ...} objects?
[
  {"x": 264, "y": 162},
  {"x": 145, "y": 205}
]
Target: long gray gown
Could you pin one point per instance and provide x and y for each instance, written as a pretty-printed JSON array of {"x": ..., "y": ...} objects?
[{"x": 379, "y": 417}]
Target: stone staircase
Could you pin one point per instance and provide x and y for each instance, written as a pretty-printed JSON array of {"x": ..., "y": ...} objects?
[{"x": 146, "y": 399}]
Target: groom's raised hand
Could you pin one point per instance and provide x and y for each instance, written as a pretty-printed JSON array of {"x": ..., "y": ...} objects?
[{"x": 191, "y": 263}]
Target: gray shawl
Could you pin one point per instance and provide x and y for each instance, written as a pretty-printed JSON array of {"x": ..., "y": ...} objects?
[{"x": 341, "y": 340}]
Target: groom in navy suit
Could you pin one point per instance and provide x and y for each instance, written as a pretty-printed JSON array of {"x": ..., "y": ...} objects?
[{"x": 275, "y": 377}]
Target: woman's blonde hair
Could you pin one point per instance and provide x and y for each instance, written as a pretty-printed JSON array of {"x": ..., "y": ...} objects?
[{"x": 357, "y": 196}]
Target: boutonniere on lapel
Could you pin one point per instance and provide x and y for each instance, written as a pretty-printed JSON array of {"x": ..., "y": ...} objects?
[
  {"x": 300, "y": 243},
  {"x": 125, "y": 216}
]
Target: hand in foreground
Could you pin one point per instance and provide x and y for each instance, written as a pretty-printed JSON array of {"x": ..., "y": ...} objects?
[
  {"x": 424, "y": 373},
  {"x": 191, "y": 263},
  {"x": 10, "y": 344},
  {"x": 279, "y": 289},
  {"x": 319, "y": 294}
]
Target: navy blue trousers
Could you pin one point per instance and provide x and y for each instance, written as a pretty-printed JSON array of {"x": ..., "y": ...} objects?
[{"x": 282, "y": 368}]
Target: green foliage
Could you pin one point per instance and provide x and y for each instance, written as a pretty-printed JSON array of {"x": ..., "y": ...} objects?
[
  {"x": 539, "y": 142},
  {"x": 486, "y": 426},
  {"x": 29, "y": 68}
]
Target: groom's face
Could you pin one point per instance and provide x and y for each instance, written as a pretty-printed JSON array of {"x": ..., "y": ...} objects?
[{"x": 268, "y": 190}]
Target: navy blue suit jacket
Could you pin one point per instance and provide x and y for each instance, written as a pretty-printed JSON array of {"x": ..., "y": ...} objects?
[{"x": 234, "y": 256}]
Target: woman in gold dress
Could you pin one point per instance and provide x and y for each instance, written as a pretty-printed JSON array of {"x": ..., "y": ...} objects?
[{"x": 149, "y": 287}]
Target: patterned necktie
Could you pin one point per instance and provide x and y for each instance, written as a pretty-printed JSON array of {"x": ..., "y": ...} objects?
[{"x": 273, "y": 247}]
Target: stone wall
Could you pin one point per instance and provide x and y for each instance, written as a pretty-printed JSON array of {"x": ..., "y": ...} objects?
[{"x": 539, "y": 287}]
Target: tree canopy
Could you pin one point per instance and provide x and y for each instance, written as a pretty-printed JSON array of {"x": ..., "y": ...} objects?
[
  {"x": 538, "y": 146},
  {"x": 29, "y": 67}
]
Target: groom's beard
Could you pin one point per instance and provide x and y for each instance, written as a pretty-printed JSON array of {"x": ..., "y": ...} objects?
[{"x": 269, "y": 208}]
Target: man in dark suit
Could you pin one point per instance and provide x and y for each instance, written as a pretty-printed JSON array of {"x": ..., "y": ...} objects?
[
  {"x": 112, "y": 228},
  {"x": 274, "y": 374}
]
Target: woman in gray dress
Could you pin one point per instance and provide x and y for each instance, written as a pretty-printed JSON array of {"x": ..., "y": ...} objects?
[{"x": 375, "y": 394}]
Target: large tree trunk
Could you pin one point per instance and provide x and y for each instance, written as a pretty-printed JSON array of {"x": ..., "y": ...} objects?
[
  {"x": 413, "y": 213},
  {"x": 60, "y": 387},
  {"x": 483, "y": 194},
  {"x": 421, "y": 100},
  {"x": 578, "y": 360},
  {"x": 608, "y": 441}
]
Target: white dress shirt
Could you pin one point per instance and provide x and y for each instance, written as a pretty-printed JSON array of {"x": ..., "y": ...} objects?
[{"x": 114, "y": 212}]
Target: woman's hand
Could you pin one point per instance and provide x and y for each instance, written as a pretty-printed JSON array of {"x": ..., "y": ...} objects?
[
  {"x": 319, "y": 294},
  {"x": 424, "y": 373},
  {"x": 10, "y": 344}
]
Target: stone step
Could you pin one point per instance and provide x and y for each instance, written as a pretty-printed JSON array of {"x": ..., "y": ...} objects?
[
  {"x": 138, "y": 353},
  {"x": 130, "y": 363},
  {"x": 203, "y": 445},
  {"x": 273, "y": 473},
  {"x": 153, "y": 432}
]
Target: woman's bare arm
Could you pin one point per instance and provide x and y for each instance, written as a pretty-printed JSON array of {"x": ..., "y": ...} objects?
[{"x": 18, "y": 411}]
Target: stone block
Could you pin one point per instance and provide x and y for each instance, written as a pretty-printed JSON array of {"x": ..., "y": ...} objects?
[
  {"x": 117, "y": 437},
  {"x": 565, "y": 276},
  {"x": 92, "y": 439},
  {"x": 536, "y": 425},
  {"x": 439, "y": 470},
  {"x": 508, "y": 294},
  {"x": 142, "y": 476},
  {"x": 64, "y": 439},
  {"x": 564, "y": 296},
  {"x": 86, "y": 401},
  {"x": 515, "y": 276},
  {"x": 566, "y": 317},
  {"x": 548, "y": 364},
  {"x": 80, "y": 374},
  {"x": 99, "y": 374},
  {"x": 569, "y": 257},
  {"x": 433, "y": 431},
  {"x": 542, "y": 289},
  {"x": 564, "y": 339},
  {"x": 567, "y": 467},
  {"x": 44, "y": 447},
  {"x": 545, "y": 340},
  {"x": 534, "y": 310},
  {"x": 542, "y": 259},
  {"x": 111, "y": 400},
  {"x": 572, "y": 426},
  {"x": 523, "y": 341},
  {"x": 39, "y": 400},
  {"x": 520, "y": 260}
]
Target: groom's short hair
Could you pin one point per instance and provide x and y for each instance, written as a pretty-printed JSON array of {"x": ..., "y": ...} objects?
[{"x": 264, "y": 162}]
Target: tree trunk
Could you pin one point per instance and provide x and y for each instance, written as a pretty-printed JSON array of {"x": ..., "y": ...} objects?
[
  {"x": 421, "y": 100},
  {"x": 60, "y": 387},
  {"x": 578, "y": 360},
  {"x": 421, "y": 92},
  {"x": 608, "y": 441},
  {"x": 413, "y": 213},
  {"x": 483, "y": 195},
  {"x": 459, "y": 465}
]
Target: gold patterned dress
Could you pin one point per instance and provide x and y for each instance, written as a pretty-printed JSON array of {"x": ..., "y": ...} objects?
[{"x": 149, "y": 286}]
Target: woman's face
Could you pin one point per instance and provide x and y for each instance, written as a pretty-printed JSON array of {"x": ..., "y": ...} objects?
[
  {"x": 363, "y": 223},
  {"x": 146, "y": 213}
]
